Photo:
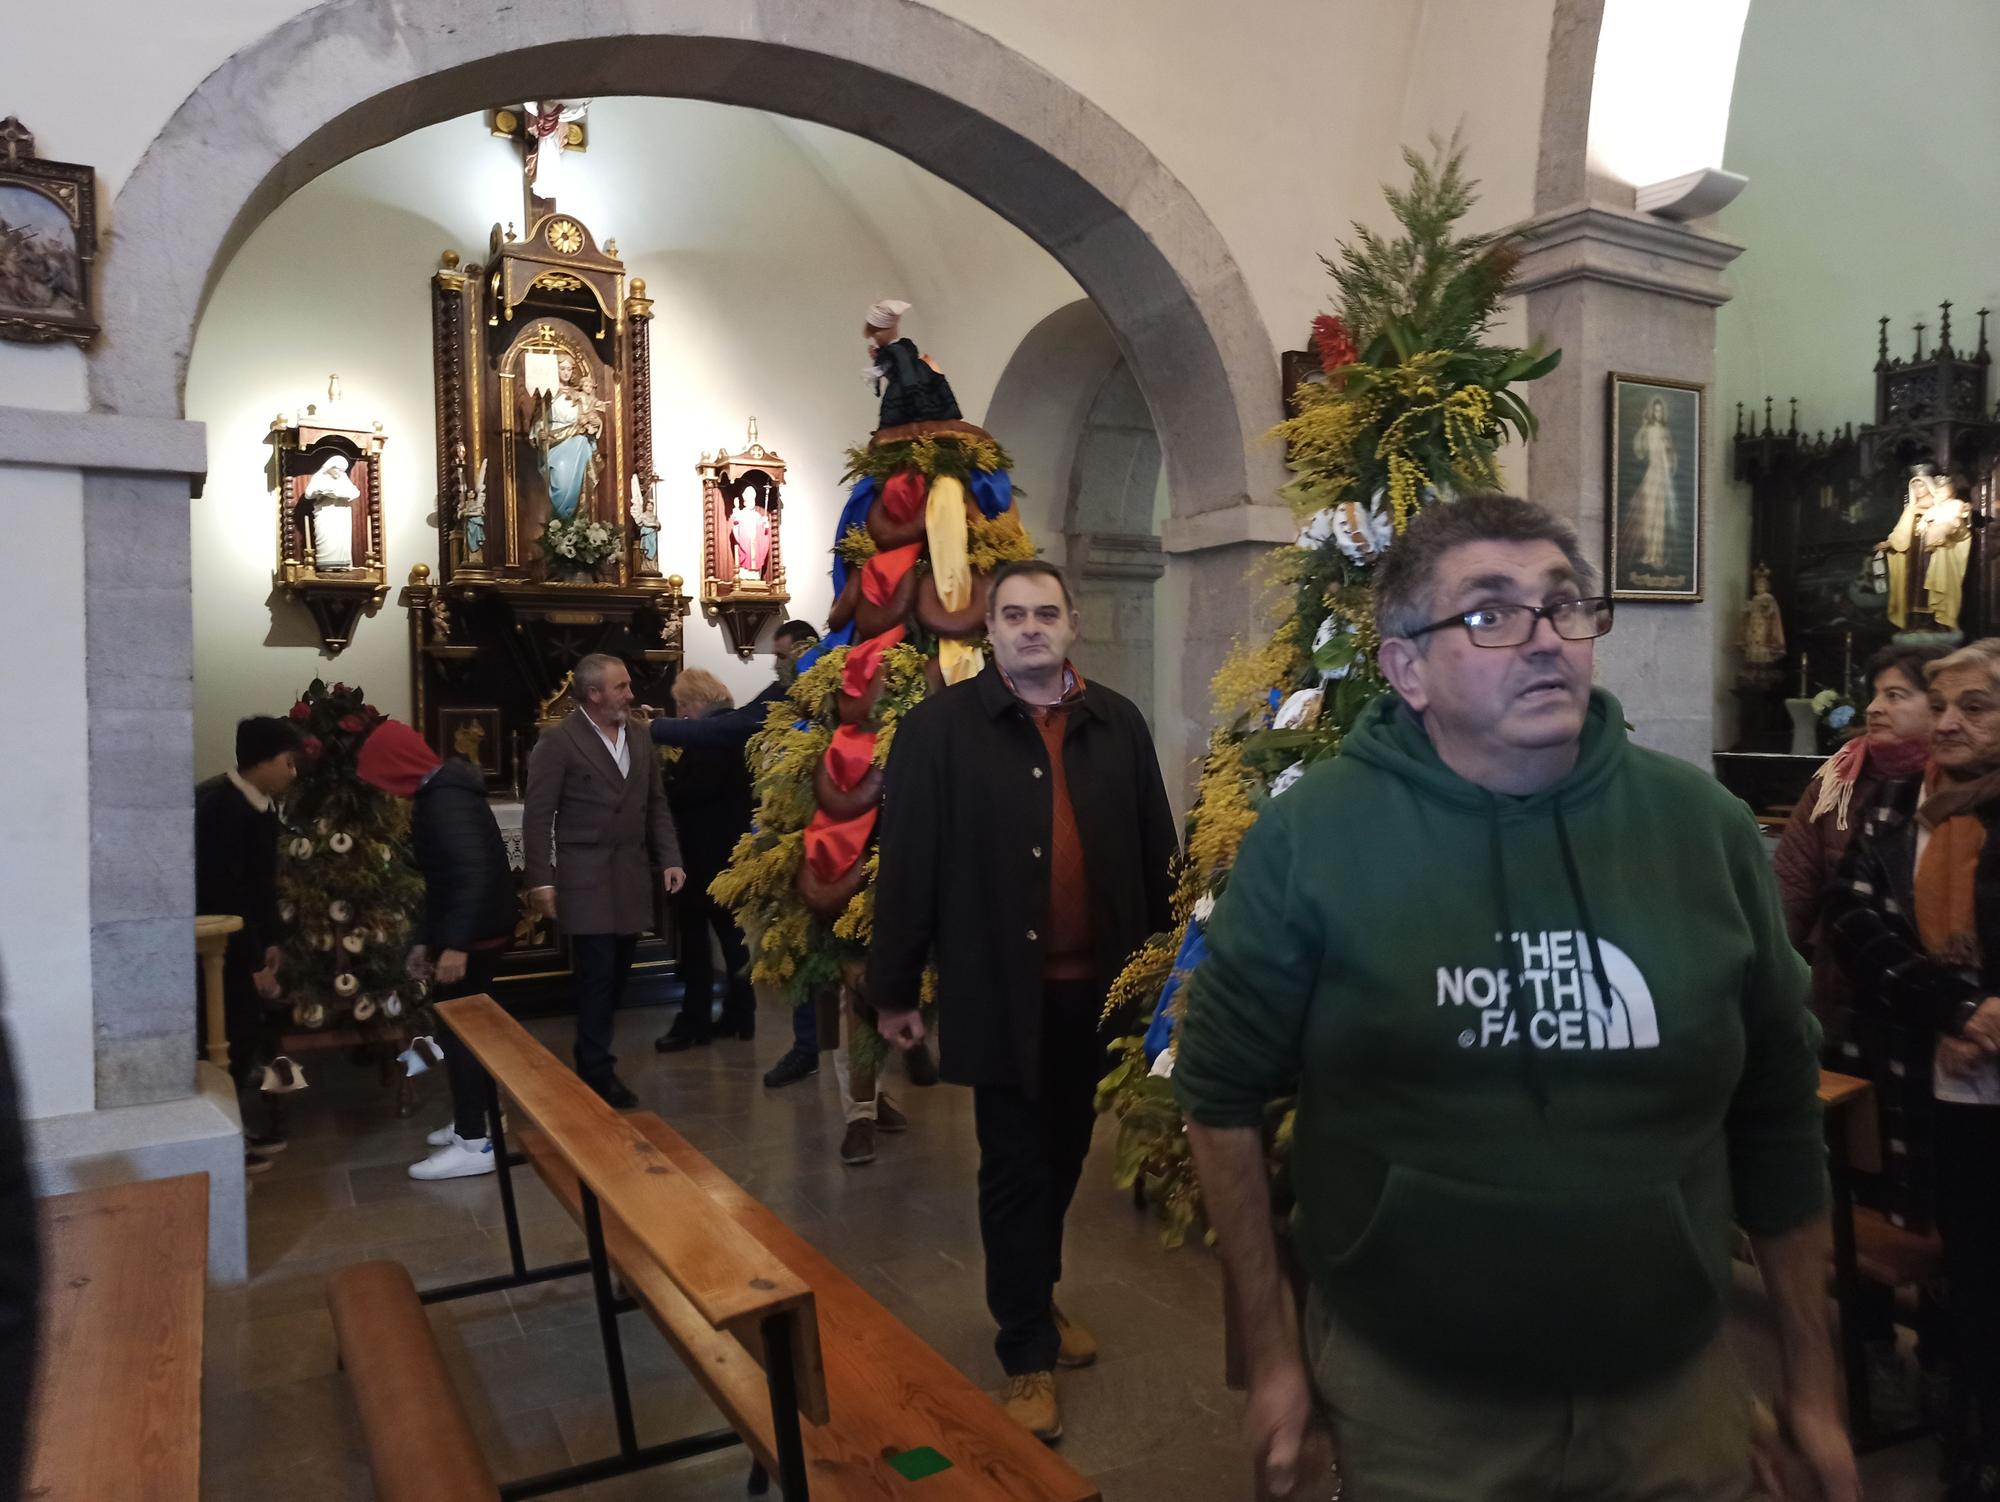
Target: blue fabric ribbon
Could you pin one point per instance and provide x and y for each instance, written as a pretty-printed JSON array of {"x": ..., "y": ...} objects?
[
  {"x": 992, "y": 490},
  {"x": 860, "y": 501},
  {"x": 1194, "y": 949}
]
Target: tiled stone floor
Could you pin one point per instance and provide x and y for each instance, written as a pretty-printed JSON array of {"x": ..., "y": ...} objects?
[{"x": 1151, "y": 1422}]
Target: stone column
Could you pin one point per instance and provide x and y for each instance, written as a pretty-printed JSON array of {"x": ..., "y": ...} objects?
[
  {"x": 1616, "y": 290},
  {"x": 1113, "y": 574}
]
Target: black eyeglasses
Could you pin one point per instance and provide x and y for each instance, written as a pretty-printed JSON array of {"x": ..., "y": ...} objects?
[{"x": 1511, "y": 625}]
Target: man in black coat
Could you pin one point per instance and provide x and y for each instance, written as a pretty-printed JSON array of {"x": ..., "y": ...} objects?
[
  {"x": 236, "y": 872},
  {"x": 708, "y": 789},
  {"x": 1025, "y": 845},
  {"x": 731, "y": 731},
  {"x": 20, "y": 1283},
  {"x": 468, "y": 919}
]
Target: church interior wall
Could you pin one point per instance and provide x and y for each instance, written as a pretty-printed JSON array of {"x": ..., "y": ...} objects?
[{"x": 1867, "y": 197}]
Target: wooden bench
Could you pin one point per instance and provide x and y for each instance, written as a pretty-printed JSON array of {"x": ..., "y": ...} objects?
[
  {"x": 420, "y": 1445},
  {"x": 118, "y": 1389},
  {"x": 772, "y": 1330}
]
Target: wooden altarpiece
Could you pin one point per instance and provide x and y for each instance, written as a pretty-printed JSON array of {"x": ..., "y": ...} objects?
[
  {"x": 544, "y": 404},
  {"x": 743, "y": 574}
]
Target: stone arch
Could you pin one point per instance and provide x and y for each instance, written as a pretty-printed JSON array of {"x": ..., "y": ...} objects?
[{"x": 349, "y": 75}]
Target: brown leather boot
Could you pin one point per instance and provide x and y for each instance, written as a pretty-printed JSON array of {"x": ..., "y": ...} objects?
[{"x": 1031, "y": 1403}]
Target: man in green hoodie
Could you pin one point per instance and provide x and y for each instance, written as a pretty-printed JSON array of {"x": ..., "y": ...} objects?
[{"x": 1532, "y": 986}]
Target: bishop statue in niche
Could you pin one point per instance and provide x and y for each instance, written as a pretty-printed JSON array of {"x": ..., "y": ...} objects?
[
  {"x": 565, "y": 428},
  {"x": 750, "y": 534}
]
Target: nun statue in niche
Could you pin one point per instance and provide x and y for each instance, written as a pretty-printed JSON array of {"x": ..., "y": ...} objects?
[
  {"x": 329, "y": 499},
  {"x": 568, "y": 423},
  {"x": 750, "y": 532},
  {"x": 910, "y": 384}
]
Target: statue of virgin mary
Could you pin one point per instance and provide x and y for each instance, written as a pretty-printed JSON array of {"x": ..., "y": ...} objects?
[{"x": 568, "y": 422}]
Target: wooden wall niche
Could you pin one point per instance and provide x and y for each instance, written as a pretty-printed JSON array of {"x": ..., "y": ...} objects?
[
  {"x": 326, "y": 477},
  {"x": 743, "y": 573}
]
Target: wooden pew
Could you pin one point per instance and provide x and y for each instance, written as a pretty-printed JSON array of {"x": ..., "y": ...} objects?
[
  {"x": 712, "y": 1267},
  {"x": 420, "y": 1445},
  {"x": 118, "y": 1392}
]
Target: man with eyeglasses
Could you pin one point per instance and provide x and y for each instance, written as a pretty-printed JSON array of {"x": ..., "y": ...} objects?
[{"x": 1532, "y": 985}]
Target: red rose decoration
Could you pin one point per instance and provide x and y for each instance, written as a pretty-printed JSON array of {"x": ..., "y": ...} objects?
[
  {"x": 311, "y": 748},
  {"x": 1334, "y": 343},
  {"x": 352, "y": 723},
  {"x": 302, "y": 711}
]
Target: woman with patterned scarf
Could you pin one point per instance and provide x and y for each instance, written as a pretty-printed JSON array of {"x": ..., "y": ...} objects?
[
  {"x": 1914, "y": 916},
  {"x": 1896, "y": 744}
]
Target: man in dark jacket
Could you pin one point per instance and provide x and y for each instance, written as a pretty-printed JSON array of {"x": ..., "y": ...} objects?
[
  {"x": 468, "y": 917},
  {"x": 236, "y": 872},
  {"x": 1025, "y": 849},
  {"x": 708, "y": 789},
  {"x": 20, "y": 1283},
  {"x": 731, "y": 731}
]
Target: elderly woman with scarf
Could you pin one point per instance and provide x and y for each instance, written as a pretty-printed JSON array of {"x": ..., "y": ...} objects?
[
  {"x": 1914, "y": 916},
  {"x": 1895, "y": 746}
]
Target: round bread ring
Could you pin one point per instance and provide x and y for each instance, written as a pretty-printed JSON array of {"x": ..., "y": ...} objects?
[
  {"x": 942, "y": 622},
  {"x": 853, "y": 711},
  {"x": 843, "y": 607},
  {"x": 889, "y": 533},
  {"x": 904, "y": 432},
  {"x": 871, "y": 620},
  {"x": 835, "y": 804},
  {"x": 826, "y": 899}
]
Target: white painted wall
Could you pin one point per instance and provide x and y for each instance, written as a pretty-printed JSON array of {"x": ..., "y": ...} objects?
[
  {"x": 1873, "y": 190},
  {"x": 44, "y": 810},
  {"x": 752, "y": 316}
]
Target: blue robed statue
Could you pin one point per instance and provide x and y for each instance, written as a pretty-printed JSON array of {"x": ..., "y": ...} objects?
[{"x": 566, "y": 429}]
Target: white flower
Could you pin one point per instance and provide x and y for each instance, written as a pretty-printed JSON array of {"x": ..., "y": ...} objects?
[
  {"x": 344, "y": 984},
  {"x": 341, "y": 843},
  {"x": 1283, "y": 781},
  {"x": 339, "y": 911},
  {"x": 1318, "y": 528},
  {"x": 1363, "y": 535},
  {"x": 353, "y": 943},
  {"x": 1204, "y": 906},
  {"x": 302, "y": 848},
  {"x": 1300, "y": 709}
]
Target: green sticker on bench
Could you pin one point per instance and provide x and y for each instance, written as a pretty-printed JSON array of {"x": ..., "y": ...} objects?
[{"x": 915, "y": 1465}]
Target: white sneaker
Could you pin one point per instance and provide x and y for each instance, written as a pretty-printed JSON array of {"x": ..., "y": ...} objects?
[
  {"x": 460, "y": 1160},
  {"x": 442, "y": 1137}
]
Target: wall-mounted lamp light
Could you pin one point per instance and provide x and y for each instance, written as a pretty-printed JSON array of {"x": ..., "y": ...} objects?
[{"x": 1692, "y": 195}]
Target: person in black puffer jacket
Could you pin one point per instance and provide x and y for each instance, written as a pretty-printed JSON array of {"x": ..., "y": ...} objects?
[
  {"x": 468, "y": 920},
  {"x": 708, "y": 789}
]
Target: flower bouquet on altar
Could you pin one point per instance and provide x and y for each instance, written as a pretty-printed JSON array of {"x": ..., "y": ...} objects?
[{"x": 576, "y": 547}]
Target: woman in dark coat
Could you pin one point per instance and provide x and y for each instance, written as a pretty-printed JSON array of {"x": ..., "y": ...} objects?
[{"x": 708, "y": 790}]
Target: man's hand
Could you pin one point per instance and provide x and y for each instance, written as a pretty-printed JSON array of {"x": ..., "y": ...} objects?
[
  {"x": 417, "y": 963},
  {"x": 1819, "y": 1435},
  {"x": 266, "y": 981},
  {"x": 901, "y": 1029},
  {"x": 1983, "y": 1026},
  {"x": 1959, "y": 1057},
  {"x": 675, "y": 878},
  {"x": 542, "y": 900},
  {"x": 1275, "y": 1423},
  {"x": 451, "y": 967}
]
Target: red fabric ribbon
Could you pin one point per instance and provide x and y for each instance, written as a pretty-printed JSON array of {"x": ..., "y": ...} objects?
[
  {"x": 865, "y": 660},
  {"x": 881, "y": 574},
  {"x": 903, "y": 495},
  {"x": 849, "y": 757},
  {"x": 834, "y": 845}
]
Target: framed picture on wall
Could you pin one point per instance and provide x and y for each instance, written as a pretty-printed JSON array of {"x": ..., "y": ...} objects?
[
  {"x": 1653, "y": 504},
  {"x": 48, "y": 241}
]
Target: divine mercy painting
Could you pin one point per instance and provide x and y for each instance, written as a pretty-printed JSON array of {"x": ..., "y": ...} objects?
[{"x": 1654, "y": 502}]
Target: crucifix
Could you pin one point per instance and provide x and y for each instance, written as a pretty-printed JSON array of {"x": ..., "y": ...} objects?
[{"x": 544, "y": 129}]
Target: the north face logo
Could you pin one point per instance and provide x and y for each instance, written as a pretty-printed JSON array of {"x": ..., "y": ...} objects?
[{"x": 1564, "y": 1005}]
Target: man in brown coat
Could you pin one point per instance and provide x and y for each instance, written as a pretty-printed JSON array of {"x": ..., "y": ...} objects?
[{"x": 597, "y": 835}]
